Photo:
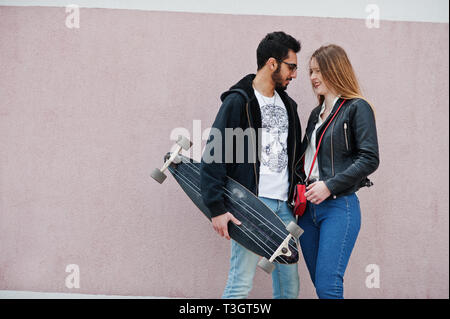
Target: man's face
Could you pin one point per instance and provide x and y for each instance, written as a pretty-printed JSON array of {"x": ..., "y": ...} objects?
[{"x": 286, "y": 71}]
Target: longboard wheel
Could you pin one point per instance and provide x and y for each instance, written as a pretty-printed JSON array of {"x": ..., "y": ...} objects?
[
  {"x": 177, "y": 160},
  {"x": 294, "y": 230},
  {"x": 266, "y": 265},
  {"x": 158, "y": 176},
  {"x": 184, "y": 142}
]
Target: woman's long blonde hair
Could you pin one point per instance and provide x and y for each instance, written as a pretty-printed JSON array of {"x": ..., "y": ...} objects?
[{"x": 337, "y": 72}]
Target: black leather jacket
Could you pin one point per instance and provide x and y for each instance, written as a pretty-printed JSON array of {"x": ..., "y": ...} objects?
[{"x": 349, "y": 149}]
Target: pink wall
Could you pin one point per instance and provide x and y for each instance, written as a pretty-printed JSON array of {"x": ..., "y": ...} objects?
[{"x": 86, "y": 114}]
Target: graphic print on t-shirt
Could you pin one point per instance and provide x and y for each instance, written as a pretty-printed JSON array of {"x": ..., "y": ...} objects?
[{"x": 274, "y": 156}]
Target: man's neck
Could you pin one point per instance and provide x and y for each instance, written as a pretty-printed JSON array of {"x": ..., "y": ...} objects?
[{"x": 264, "y": 84}]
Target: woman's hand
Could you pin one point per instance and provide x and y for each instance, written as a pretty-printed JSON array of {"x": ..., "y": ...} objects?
[{"x": 317, "y": 192}]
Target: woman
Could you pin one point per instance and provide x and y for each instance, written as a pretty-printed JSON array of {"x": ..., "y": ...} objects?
[{"x": 348, "y": 153}]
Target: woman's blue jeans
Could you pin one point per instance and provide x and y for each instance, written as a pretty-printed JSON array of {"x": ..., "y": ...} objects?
[
  {"x": 330, "y": 232},
  {"x": 243, "y": 263}
]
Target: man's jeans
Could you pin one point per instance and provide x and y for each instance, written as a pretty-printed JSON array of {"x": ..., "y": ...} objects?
[
  {"x": 330, "y": 232},
  {"x": 243, "y": 263}
]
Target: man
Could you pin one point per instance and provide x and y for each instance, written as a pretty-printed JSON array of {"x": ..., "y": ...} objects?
[{"x": 262, "y": 159}]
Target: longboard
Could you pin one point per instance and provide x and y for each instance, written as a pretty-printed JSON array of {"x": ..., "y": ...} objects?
[{"x": 261, "y": 230}]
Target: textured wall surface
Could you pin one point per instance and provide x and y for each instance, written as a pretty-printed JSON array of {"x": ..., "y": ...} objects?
[{"x": 86, "y": 114}]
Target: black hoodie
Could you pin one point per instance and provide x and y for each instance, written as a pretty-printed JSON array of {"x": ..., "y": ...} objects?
[{"x": 240, "y": 109}]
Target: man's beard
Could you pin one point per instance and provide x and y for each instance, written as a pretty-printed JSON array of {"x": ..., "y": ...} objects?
[{"x": 276, "y": 78}]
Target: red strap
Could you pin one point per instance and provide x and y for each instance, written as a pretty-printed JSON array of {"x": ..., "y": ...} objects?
[{"x": 320, "y": 140}]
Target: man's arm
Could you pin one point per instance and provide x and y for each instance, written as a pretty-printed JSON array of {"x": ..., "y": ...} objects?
[{"x": 213, "y": 170}]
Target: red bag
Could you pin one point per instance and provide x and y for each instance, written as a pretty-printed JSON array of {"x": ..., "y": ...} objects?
[
  {"x": 300, "y": 189},
  {"x": 300, "y": 199}
]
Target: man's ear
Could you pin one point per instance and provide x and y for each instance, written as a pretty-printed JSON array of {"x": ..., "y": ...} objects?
[{"x": 272, "y": 63}]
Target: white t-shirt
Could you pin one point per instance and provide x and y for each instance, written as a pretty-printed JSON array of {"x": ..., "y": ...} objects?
[{"x": 273, "y": 174}]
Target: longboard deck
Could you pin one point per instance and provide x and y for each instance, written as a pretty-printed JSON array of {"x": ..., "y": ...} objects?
[{"x": 261, "y": 231}]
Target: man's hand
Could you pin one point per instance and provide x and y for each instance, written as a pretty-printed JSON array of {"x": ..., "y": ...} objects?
[
  {"x": 220, "y": 224},
  {"x": 317, "y": 192}
]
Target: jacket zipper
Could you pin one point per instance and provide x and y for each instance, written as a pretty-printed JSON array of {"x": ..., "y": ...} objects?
[
  {"x": 345, "y": 133},
  {"x": 301, "y": 157},
  {"x": 295, "y": 149},
  {"x": 256, "y": 148}
]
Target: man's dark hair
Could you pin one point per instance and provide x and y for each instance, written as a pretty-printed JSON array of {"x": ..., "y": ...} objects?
[{"x": 275, "y": 45}]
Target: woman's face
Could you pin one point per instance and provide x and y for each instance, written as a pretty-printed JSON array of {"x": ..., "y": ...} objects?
[{"x": 317, "y": 81}]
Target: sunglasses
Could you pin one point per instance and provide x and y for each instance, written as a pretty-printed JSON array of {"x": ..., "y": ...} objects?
[{"x": 292, "y": 66}]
